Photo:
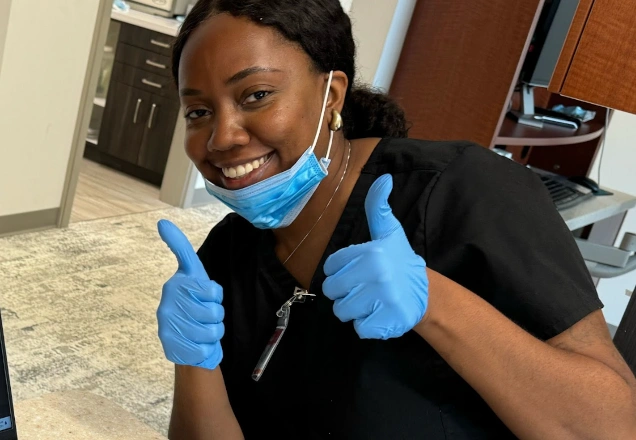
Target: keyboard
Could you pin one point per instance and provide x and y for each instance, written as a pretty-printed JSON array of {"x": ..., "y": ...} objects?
[{"x": 564, "y": 194}]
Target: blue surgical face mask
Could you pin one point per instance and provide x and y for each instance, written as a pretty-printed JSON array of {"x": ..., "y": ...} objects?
[{"x": 276, "y": 201}]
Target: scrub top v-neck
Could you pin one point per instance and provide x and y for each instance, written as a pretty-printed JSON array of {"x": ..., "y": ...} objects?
[{"x": 475, "y": 217}]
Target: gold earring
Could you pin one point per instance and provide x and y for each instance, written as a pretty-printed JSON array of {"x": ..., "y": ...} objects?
[{"x": 336, "y": 120}]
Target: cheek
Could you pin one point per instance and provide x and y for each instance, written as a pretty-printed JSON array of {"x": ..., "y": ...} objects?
[
  {"x": 196, "y": 141},
  {"x": 196, "y": 149},
  {"x": 285, "y": 129}
]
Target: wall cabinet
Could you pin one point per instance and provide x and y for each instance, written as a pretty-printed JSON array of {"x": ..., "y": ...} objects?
[
  {"x": 141, "y": 107},
  {"x": 598, "y": 61}
]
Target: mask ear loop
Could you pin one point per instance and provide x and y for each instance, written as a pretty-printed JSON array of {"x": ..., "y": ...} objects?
[{"x": 322, "y": 116}]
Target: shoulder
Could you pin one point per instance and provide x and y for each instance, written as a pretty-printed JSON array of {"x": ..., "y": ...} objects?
[{"x": 400, "y": 155}]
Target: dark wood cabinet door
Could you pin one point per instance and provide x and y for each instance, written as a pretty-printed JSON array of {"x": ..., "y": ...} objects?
[
  {"x": 146, "y": 39},
  {"x": 157, "y": 139},
  {"x": 123, "y": 126}
]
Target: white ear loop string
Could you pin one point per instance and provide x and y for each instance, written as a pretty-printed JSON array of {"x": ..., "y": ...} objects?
[{"x": 322, "y": 116}]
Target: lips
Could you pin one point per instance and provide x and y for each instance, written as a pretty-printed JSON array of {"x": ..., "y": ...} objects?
[
  {"x": 245, "y": 174},
  {"x": 239, "y": 171}
]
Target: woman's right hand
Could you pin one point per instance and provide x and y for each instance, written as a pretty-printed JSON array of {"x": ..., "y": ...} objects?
[{"x": 190, "y": 314}]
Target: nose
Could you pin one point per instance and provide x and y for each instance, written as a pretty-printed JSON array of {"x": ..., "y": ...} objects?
[{"x": 228, "y": 132}]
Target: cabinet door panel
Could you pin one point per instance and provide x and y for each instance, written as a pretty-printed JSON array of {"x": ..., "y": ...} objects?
[
  {"x": 603, "y": 68},
  {"x": 146, "y": 39},
  {"x": 160, "y": 124},
  {"x": 143, "y": 59},
  {"x": 122, "y": 129}
]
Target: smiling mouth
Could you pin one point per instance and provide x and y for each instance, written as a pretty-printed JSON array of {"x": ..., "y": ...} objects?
[{"x": 240, "y": 171}]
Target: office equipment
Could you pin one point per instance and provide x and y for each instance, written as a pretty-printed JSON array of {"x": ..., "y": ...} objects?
[
  {"x": 586, "y": 182},
  {"x": 564, "y": 193},
  {"x": 541, "y": 59},
  {"x": 7, "y": 418},
  {"x": 165, "y": 8}
]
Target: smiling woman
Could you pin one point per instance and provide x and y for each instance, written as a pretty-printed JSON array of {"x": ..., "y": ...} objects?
[{"x": 423, "y": 304}]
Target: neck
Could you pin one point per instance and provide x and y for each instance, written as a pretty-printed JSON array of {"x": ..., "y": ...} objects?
[{"x": 288, "y": 238}]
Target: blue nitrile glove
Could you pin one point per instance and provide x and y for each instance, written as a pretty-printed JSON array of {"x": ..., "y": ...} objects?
[
  {"x": 190, "y": 314},
  {"x": 381, "y": 285}
]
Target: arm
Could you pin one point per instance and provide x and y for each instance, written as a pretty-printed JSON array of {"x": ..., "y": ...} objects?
[
  {"x": 190, "y": 327},
  {"x": 575, "y": 386},
  {"x": 201, "y": 409}
]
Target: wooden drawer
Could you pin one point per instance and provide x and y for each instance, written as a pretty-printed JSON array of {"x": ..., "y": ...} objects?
[
  {"x": 151, "y": 82},
  {"x": 146, "y": 39},
  {"x": 143, "y": 59}
]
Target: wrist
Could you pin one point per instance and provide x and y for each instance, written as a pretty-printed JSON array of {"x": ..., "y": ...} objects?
[{"x": 438, "y": 293}]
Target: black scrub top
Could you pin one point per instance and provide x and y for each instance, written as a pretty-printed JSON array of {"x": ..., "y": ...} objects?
[{"x": 479, "y": 219}]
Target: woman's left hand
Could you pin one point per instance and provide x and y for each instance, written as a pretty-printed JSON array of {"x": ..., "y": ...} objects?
[{"x": 380, "y": 285}]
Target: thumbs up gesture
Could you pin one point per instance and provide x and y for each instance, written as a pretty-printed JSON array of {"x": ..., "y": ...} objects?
[
  {"x": 380, "y": 285},
  {"x": 190, "y": 314}
]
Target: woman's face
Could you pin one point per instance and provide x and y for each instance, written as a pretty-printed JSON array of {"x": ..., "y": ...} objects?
[{"x": 251, "y": 100}]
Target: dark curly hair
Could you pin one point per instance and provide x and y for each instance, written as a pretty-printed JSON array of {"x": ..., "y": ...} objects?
[{"x": 323, "y": 30}]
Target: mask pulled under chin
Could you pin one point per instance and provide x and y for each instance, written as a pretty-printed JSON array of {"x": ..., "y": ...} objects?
[{"x": 276, "y": 201}]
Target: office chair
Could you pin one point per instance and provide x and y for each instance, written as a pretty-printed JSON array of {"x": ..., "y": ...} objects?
[{"x": 625, "y": 337}]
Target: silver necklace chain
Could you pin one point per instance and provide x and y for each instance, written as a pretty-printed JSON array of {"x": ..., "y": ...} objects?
[{"x": 324, "y": 210}]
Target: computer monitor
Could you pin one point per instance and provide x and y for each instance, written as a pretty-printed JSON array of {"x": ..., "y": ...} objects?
[
  {"x": 7, "y": 419},
  {"x": 542, "y": 56},
  {"x": 547, "y": 41}
]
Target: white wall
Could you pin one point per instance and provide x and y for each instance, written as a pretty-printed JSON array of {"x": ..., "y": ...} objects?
[
  {"x": 618, "y": 168},
  {"x": 371, "y": 24},
  {"x": 45, "y": 60},
  {"x": 5, "y": 7}
]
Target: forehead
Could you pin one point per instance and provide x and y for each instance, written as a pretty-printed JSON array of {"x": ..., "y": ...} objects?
[{"x": 224, "y": 45}]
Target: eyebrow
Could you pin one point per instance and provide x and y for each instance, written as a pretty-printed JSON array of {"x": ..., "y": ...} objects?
[
  {"x": 190, "y": 92},
  {"x": 247, "y": 72},
  {"x": 231, "y": 80}
]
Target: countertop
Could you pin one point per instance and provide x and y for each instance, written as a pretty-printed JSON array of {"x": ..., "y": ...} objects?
[
  {"x": 164, "y": 25},
  {"x": 78, "y": 415},
  {"x": 597, "y": 208}
]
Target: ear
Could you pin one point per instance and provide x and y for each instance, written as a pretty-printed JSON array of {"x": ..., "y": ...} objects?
[{"x": 337, "y": 92}]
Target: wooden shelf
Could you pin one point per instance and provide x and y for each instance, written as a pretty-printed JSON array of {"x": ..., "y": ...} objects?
[{"x": 512, "y": 133}]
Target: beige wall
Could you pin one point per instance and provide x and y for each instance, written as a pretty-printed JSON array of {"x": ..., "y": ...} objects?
[
  {"x": 371, "y": 23},
  {"x": 45, "y": 60},
  {"x": 5, "y": 7}
]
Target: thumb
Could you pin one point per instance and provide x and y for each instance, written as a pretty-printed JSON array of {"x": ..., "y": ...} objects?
[
  {"x": 382, "y": 222},
  {"x": 189, "y": 263}
]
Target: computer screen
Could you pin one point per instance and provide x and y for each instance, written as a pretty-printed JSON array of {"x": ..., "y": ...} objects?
[
  {"x": 547, "y": 41},
  {"x": 7, "y": 419}
]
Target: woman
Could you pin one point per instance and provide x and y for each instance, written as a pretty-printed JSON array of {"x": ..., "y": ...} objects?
[{"x": 332, "y": 325}]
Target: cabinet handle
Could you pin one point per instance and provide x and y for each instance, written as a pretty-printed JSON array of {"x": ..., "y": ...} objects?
[
  {"x": 150, "y": 83},
  {"x": 160, "y": 44},
  {"x": 136, "y": 111},
  {"x": 152, "y": 114},
  {"x": 155, "y": 64}
]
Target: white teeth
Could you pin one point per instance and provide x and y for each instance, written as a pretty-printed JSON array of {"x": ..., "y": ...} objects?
[{"x": 241, "y": 170}]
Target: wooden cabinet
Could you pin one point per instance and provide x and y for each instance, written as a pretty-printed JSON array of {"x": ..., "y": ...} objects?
[
  {"x": 141, "y": 109},
  {"x": 124, "y": 122},
  {"x": 459, "y": 71},
  {"x": 153, "y": 152},
  {"x": 598, "y": 61}
]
